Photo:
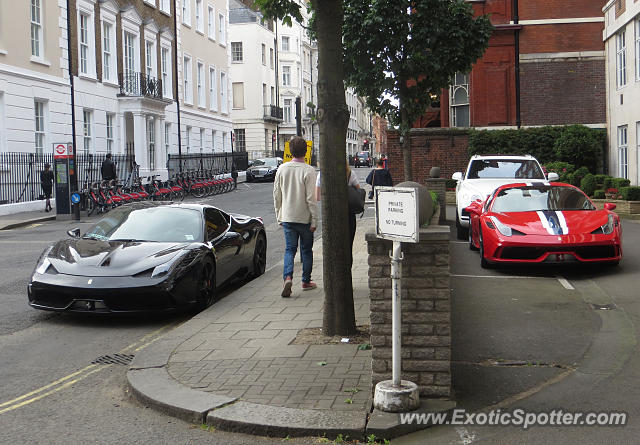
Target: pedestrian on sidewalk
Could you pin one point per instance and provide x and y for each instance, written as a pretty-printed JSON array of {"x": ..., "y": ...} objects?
[
  {"x": 297, "y": 212},
  {"x": 108, "y": 169},
  {"x": 352, "y": 181},
  {"x": 46, "y": 182},
  {"x": 379, "y": 176}
]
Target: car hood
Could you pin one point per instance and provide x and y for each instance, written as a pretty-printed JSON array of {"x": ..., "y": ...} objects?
[
  {"x": 554, "y": 222},
  {"x": 261, "y": 167},
  {"x": 110, "y": 258}
]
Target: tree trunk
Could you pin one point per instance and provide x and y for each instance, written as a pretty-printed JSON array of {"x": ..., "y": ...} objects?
[{"x": 333, "y": 119}]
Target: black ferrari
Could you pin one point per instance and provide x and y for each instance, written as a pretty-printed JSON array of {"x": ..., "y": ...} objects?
[{"x": 148, "y": 256}]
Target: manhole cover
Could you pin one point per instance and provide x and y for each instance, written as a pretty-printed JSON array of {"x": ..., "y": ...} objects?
[
  {"x": 113, "y": 359},
  {"x": 603, "y": 307}
]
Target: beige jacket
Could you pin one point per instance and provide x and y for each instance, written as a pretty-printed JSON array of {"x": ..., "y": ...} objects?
[{"x": 294, "y": 194}]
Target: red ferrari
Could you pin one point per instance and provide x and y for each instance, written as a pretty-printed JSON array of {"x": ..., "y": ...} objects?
[{"x": 543, "y": 223}]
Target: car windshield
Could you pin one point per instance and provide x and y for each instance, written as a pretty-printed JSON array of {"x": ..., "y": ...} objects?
[
  {"x": 269, "y": 162},
  {"x": 505, "y": 168},
  {"x": 160, "y": 224},
  {"x": 363, "y": 155},
  {"x": 539, "y": 198}
]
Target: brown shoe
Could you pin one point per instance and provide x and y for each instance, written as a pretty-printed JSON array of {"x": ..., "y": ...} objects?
[
  {"x": 286, "y": 289},
  {"x": 309, "y": 286}
]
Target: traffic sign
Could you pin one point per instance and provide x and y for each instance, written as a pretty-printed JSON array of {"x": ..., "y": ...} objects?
[
  {"x": 62, "y": 151},
  {"x": 75, "y": 197},
  {"x": 397, "y": 214}
]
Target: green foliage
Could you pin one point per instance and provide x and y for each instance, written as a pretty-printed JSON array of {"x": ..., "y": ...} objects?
[
  {"x": 619, "y": 183},
  {"x": 576, "y": 177},
  {"x": 598, "y": 194},
  {"x": 563, "y": 169},
  {"x": 588, "y": 184},
  {"x": 434, "y": 198},
  {"x": 607, "y": 182},
  {"x": 423, "y": 46},
  {"x": 574, "y": 144},
  {"x": 600, "y": 180},
  {"x": 287, "y": 10},
  {"x": 450, "y": 184},
  {"x": 630, "y": 193}
]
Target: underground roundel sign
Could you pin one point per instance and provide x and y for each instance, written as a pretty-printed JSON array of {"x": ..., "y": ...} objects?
[{"x": 61, "y": 151}]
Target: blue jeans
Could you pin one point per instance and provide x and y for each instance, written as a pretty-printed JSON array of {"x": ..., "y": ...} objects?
[{"x": 293, "y": 232}]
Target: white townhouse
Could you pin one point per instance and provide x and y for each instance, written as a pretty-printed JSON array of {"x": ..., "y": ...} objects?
[
  {"x": 34, "y": 84},
  {"x": 254, "y": 112},
  {"x": 622, "y": 47},
  {"x": 204, "y": 76}
]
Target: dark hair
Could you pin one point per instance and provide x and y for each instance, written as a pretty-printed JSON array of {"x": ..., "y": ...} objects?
[
  {"x": 298, "y": 146},
  {"x": 380, "y": 162},
  {"x": 47, "y": 165},
  {"x": 108, "y": 155}
]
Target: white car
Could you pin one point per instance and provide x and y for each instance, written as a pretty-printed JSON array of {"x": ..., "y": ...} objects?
[{"x": 486, "y": 173}]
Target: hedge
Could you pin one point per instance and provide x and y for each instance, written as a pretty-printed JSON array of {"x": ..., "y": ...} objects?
[
  {"x": 598, "y": 194},
  {"x": 575, "y": 144},
  {"x": 588, "y": 184},
  {"x": 630, "y": 193}
]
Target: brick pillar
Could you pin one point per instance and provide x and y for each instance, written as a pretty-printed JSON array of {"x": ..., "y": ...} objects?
[
  {"x": 426, "y": 311},
  {"x": 439, "y": 185}
]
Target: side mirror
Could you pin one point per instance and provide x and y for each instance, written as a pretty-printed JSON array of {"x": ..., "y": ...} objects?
[
  {"x": 553, "y": 176},
  {"x": 457, "y": 176},
  {"x": 609, "y": 206},
  {"x": 74, "y": 233},
  {"x": 475, "y": 207}
]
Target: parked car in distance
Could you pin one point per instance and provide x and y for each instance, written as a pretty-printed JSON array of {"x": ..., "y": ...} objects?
[
  {"x": 148, "y": 256},
  {"x": 543, "y": 223},
  {"x": 363, "y": 159},
  {"x": 263, "y": 169},
  {"x": 484, "y": 174}
]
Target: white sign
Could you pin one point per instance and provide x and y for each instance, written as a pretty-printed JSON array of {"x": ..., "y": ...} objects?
[
  {"x": 397, "y": 214},
  {"x": 62, "y": 150}
]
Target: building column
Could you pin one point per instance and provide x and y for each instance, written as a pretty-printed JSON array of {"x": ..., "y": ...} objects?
[
  {"x": 140, "y": 142},
  {"x": 121, "y": 139},
  {"x": 160, "y": 160}
]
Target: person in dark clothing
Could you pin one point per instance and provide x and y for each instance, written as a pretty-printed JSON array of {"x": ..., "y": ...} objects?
[
  {"x": 379, "y": 176},
  {"x": 46, "y": 181},
  {"x": 108, "y": 169}
]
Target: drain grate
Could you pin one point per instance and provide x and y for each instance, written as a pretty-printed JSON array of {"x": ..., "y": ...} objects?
[
  {"x": 603, "y": 307},
  {"x": 113, "y": 359}
]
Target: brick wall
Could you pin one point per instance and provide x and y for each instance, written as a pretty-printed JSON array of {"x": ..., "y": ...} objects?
[
  {"x": 447, "y": 149},
  {"x": 426, "y": 311},
  {"x": 568, "y": 37},
  {"x": 554, "y": 9},
  {"x": 563, "y": 92}
]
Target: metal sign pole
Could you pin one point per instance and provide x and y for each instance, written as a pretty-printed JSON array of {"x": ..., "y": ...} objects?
[{"x": 396, "y": 308}]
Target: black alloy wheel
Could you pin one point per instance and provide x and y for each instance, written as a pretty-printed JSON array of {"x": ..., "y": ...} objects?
[
  {"x": 206, "y": 284},
  {"x": 483, "y": 261},
  {"x": 471, "y": 245},
  {"x": 259, "y": 256}
]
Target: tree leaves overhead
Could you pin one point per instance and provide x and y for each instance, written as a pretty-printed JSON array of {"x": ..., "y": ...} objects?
[
  {"x": 409, "y": 50},
  {"x": 282, "y": 9}
]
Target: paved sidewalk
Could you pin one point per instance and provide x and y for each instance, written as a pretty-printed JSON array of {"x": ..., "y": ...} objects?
[
  {"x": 24, "y": 219},
  {"x": 233, "y": 365}
]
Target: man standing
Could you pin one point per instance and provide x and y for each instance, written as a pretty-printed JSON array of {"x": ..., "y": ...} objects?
[
  {"x": 108, "y": 169},
  {"x": 297, "y": 212}
]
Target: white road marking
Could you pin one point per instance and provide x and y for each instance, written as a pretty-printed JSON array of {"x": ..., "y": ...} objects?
[{"x": 565, "y": 283}]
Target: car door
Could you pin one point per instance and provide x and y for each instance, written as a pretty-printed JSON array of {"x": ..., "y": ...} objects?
[{"x": 227, "y": 243}]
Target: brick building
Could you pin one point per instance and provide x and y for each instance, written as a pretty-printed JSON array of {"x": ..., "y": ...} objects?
[{"x": 544, "y": 66}]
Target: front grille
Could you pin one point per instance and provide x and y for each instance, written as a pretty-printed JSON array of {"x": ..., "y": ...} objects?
[
  {"x": 521, "y": 253},
  {"x": 591, "y": 252},
  {"x": 532, "y": 253}
]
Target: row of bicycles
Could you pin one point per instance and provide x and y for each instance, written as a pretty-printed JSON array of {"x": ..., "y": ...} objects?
[{"x": 101, "y": 196}]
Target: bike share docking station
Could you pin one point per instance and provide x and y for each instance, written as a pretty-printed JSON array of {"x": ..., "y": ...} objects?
[
  {"x": 397, "y": 220},
  {"x": 63, "y": 170}
]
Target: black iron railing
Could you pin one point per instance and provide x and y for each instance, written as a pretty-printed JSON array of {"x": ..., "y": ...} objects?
[
  {"x": 139, "y": 84},
  {"x": 272, "y": 112},
  {"x": 218, "y": 162}
]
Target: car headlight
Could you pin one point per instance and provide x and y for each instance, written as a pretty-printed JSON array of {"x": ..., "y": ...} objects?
[
  {"x": 607, "y": 229},
  {"x": 43, "y": 262},
  {"x": 183, "y": 260},
  {"x": 502, "y": 228}
]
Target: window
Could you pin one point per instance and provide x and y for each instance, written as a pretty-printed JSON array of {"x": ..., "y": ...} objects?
[
  {"x": 637, "y": 49},
  {"x": 39, "y": 126},
  {"x": 287, "y": 110},
  {"x": 201, "y": 140},
  {"x": 236, "y": 51},
  {"x": 264, "y": 54},
  {"x": 108, "y": 59},
  {"x": 86, "y": 131},
  {"x": 167, "y": 132},
  {"x": 271, "y": 58},
  {"x": 213, "y": 140},
  {"x": 202, "y": 102},
  {"x": 110, "y": 133},
  {"x": 211, "y": 31},
  {"x": 273, "y": 96},
  {"x": 186, "y": 74},
  {"x": 224, "y": 141},
  {"x": 36, "y": 28},
  {"x": 199, "y": 16},
  {"x": 129, "y": 53},
  {"x": 285, "y": 43},
  {"x": 265, "y": 99},
  {"x": 286, "y": 75},
  {"x": 216, "y": 223},
  {"x": 459, "y": 97},
  {"x": 623, "y": 165},
  {"x": 213, "y": 90},
  {"x": 187, "y": 142},
  {"x": 222, "y": 37},
  {"x": 241, "y": 144},
  {"x": 84, "y": 43},
  {"x": 223, "y": 93},
  {"x": 165, "y": 7},
  {"x": 151, "y": 137},
  {"x": 621, "y": 60},
  {"x": 186, "y": 12},
  {"x": 167, "y": 72},
  {"x": 3, "y": 133},
  {"x": 238, "y": 94},
  {"x": 150, "y": 53}
]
